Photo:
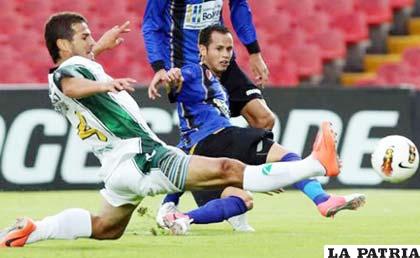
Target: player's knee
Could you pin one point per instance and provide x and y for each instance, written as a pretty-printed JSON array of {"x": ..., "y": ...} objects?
[
  {"x": 249, "y": 202},
  {"x": 265, "y": 120},
  {"x": 103, "y": 230},
  {"x": 231, "y": 171},
  {"x": 244, "y": 195}
]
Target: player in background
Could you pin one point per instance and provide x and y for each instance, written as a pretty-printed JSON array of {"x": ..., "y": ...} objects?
[
  {"x": 170, "y": 30},
  {"x": 134, "y": 162},
  {"x": 206, "y": 129}
]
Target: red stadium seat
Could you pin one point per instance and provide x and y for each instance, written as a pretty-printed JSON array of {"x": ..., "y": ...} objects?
[
  {"x": 33, "y": 8},
  {"x": 314, "y": 22},
  {"x": 16, "y": 73},
  {"x": 133, "y": 39},
  {"x": 8, "y": 55},
  {"x": 9, "y": 24},
  {"x": 284, "y": 74},
  {"x": 307, "y": 59},
  {"x": 335, "y": 7},
  {"x": 397, "y": 4},
  {"x": 377, "y": 11},
  {"x": 40, "y": 72},
  {"x": 34, "y": 13},
  {"x": 20, "y": 40},
  {"x": 137, "y": 69},
  {"x": 411, "y": 56},
  {"x": 353, "y": 25},
  {"x": 289, "y": 39},
  {"x": 269, "y": 6},
  {"x": 265, "y": 23},
  {"x": 71, "y": 5},
  {"x": 105, "y": 8},
  {"x": 273, "y": 55},
  {"x": 39, "y": 57},
  {"x": 299, "y": 9},
  {"x": 136, "y": 7},
  {"x": 331, "y": 43},
  {"x": 396, "y": 74},
  {"x": 7, "y": 6}
]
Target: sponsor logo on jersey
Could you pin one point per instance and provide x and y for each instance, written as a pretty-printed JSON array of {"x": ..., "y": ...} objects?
[{"x": 199, "y": 16}]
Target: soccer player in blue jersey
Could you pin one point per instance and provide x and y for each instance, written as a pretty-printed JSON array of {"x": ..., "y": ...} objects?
[
  {"x": 171, "y": 29},
  {"x": 206, "y": 129}
]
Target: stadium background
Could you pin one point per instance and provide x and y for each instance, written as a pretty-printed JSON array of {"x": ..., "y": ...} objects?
[{"x": 353, "y": 61}]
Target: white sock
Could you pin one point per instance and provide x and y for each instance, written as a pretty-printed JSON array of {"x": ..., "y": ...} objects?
[
  {"x": 68, "y": 224},
  {"x": 240, "y": 223},
  {"x": 272, "y": 176}
]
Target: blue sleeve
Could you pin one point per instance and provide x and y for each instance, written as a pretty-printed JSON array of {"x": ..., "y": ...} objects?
[
  {"x": 153, "y": 32},
  {"x": 190, "y": 73},
  {"x": 241, "y": 17}
]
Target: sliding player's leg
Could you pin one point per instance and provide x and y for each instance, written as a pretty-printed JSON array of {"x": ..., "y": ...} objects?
[
  {"x": 69, "y": 224},
  {"x": 123, "y": 191}
]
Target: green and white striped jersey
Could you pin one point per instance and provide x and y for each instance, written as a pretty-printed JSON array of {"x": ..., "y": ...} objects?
[{"x": 105, "y": 121}]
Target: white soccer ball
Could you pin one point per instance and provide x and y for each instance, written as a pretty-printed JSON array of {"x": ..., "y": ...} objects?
[{"x": 395, "y": 158}]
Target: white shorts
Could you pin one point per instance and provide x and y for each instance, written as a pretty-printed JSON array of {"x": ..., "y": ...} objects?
[{"x": 126, "y": 184}]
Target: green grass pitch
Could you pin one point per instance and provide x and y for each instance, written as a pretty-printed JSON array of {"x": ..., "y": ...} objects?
[{"x": 288, "y": 225}]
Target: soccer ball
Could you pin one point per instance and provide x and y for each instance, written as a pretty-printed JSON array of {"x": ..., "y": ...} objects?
[{"x": 395, "y": 158}]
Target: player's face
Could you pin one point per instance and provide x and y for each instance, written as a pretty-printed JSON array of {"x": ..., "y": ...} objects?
[
  {"x": 82, "y": 42},
  {"x": 219, "y": 52}
]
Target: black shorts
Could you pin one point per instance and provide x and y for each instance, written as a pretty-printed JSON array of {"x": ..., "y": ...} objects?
[
  {"x": 239, "y": 87},
  {"x": 249, "y": 145}
]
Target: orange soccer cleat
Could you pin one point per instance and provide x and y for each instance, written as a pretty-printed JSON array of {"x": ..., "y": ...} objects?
[
  {"x": 17, "y": 235},
  {"x": 324, "y": 150}
]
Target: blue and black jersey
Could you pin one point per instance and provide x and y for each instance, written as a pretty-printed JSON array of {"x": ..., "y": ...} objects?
[
  {"x": 171, "y": 28},
  {"x": 202, "y": 104}
]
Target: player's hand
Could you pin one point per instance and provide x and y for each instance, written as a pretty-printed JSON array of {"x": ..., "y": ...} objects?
[
  {"x": 111, "y": 38},
  {"x": 159, "y": 78},
  {"x": 121, "y": 84},
  {"x": 259, "y": 69},
  {"x": 175, "y": 76},
  {"x": 175, "y": 80}
]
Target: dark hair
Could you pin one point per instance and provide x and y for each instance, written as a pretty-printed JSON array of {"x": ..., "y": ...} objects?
[
  {"x": 59, "y": 26},
  {"x": 205, "y": 34}
]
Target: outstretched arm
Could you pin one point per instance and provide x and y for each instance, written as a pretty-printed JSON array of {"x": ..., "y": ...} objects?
[
  {"x": 173, "y": 80},
  {"x": 111, "y": 38},
  {"x": 241, "y": 18},
  {"x": 159, "y": 78},
  {"x": 78, "y": 88},
  {"x": 154, "y": 34}
]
